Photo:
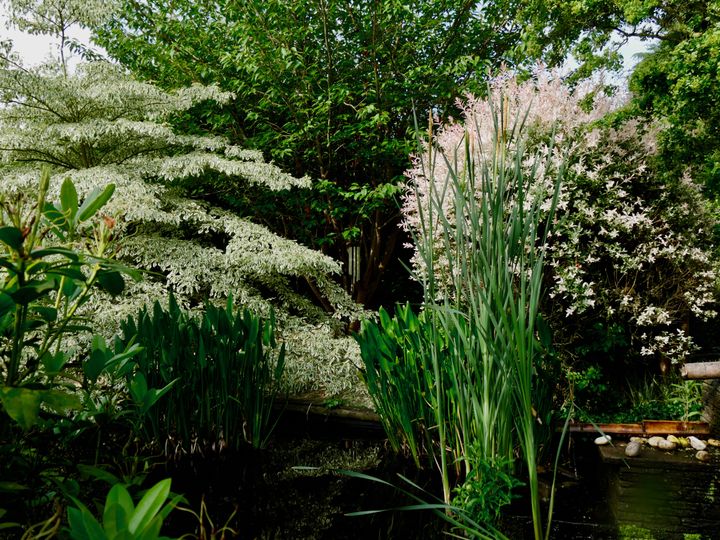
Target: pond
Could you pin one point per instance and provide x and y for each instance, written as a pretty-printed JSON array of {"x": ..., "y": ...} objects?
[{"x": 274, "y": 500}]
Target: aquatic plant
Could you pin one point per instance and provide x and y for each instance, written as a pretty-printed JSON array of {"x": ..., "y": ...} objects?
[
  {"x": 481, "y": 240},
  {"x": 225, "y": 369}
]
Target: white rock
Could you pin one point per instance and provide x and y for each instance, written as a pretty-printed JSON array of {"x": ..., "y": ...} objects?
[
  {"x": 713, "y": 442},
  {"x": 673, "y": 439},
  {"x": 696, "y": 443},
  {"x": 641, "y": 440},
  {"x": 702, "y": 455},
  {"x": 603, "y": 440},
  {"x": 664, "y": 444},
  {"x": 653, "y": 441},
  {"x": 633, "y": 448}
]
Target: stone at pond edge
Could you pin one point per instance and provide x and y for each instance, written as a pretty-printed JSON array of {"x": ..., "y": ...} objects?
[
  {"x": 673, "y": 439},
  {"x": 633, "y": 449},
  {"x": 696, "y": 443},
  {"x": 653, "y": 441},
  {"x": 603, "y": 440},
  {"x": 702, "y": 455},
  {"x": 713, "y": 442},
  {"x": 664, "y": 444}
]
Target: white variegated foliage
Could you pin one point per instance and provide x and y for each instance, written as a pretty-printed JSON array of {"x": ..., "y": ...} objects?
[
  {"x": 100, "y": 126},
  {"x": 630, "y": 247}
]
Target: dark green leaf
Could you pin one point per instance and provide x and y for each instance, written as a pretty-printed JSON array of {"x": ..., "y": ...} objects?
[
  {"x": 29, "y": 293},
  {"x": 111, "y": 282},
  {"x": 12, "y": 237},
  {"x": 7, "y": 304},
  {"x": 54, "y": 362},
  {"x": 44, "y": 252},
  {"x": 46, "y": 313},
  {"x": 93, "y": 366}
]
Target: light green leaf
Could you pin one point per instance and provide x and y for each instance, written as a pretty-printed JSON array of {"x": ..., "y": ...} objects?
[
  {"x": 95, "y": 201},
  {"x": 149, "y": 505},
  {"x": 61, "y": 401},
  {"x": 22, "y": 404},
  {"x": 69, "y": 199},
  {"x": 83, "y": 526}
]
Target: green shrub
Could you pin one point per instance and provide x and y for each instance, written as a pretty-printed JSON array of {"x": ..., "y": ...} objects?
[
  {"x": 121, "y": 519},
  {"x": 225, "y": 368},
  {"x": 398, "y": 377},
  {"x": 53, "y": 258}
]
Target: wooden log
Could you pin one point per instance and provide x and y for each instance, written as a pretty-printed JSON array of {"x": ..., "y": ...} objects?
[{"x": 701, "y": 370}]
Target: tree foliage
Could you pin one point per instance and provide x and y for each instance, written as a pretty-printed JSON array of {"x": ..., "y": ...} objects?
[
  {"x": 326, "y": 88},
  {"x": 99, "y": 125},
  {"x": 678, "y": 83},
  {"x": 629, "y": 264}
]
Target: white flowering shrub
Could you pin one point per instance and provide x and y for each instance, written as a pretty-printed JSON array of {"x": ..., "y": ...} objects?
[
  {"x": 98, "y": 125},
  {"x": 629, "y": 264}
]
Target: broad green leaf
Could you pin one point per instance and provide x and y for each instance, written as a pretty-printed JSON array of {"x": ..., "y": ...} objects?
[
  {"x": 149, "y": 505},
  {"x": 83, "y": 526},
  {"x": 31, "y": 292},
  {"x": 12, "y": 237},
  {"x": 53, "y": 362},
  {"x": 138, "y": 388},
  {"x": 72, "y": 272},
  {"x": 115, "y": 520},
  {"x": 152, "y": 530},
  {"x": 47, "y": 313},
  {"x": 120, "y": 498},
  {"x": 69, "y": 199},
  {"x": 154, "y": 395},
  {"x": 98, "y": 473},
  {"x": 54, "y": 215},
  {"x": 61, "y": 401},
  {"x": 93, "y": 366},
  {"x": 94, "y": 201},
  {"x": 22, "y": 404},
  {"x": 7, "y": 304},
  {"x": 111, "y": 282}
]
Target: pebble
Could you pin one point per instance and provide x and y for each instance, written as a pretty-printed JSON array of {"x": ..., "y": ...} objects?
[
  {"x": 641, "y": 440},
  {"x": 713, "y": 442},
  {"x": 603, "y": 440},
  {"x": 696, "y": 443},
  {"x": 653, "y": 441},
  {"x": 702, "y": 455},
  {"x": 633, "y": 448},
  {"x": 673, "y": 439},
  {"x": 664, "y": 444}
]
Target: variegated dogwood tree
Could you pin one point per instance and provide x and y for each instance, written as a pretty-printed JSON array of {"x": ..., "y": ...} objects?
[{"x": 97, "y": 125}]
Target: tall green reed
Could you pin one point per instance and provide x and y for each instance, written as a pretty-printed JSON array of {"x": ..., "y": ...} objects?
[
  {"x": 227, "y": 369},
  {"x": 466, "y": 366},
  {"x": 488, "y": 297}
]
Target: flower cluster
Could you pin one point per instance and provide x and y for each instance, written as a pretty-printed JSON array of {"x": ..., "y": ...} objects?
[{"x": 630, "y": 246}]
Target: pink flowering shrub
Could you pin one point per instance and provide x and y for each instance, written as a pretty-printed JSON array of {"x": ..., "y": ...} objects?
[{"x": 629, "y": 265}]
